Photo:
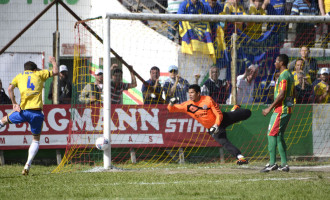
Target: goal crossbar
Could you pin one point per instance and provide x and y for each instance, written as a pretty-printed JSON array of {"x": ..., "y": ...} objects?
[{"x": 218, "y": 18}]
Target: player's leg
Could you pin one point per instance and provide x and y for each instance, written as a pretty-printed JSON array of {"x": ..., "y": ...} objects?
[
  {"x": 33, "y": 150},
  {"x": 5, "y": 120},
  {"x": 281, "y": 143},
  {"x": 221, "y": 138},
  {"x": 272, "y": 134},
  {"x": 237, "y": 115},
  {"x": 272, "y": 142},
  {"x": 36, "y": 119}
]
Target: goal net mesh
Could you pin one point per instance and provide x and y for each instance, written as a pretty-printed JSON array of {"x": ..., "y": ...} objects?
[{"x": 147, "y": 135}]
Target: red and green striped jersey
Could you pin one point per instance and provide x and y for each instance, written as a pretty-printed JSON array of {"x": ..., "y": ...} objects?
[{"x": 285, "y": 82}]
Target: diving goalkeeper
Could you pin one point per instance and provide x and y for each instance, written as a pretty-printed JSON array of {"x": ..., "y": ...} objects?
[{"x": 207, "y": 112}]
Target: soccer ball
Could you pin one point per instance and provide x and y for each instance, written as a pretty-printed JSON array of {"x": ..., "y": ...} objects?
[{"x": 102, "y": 143}]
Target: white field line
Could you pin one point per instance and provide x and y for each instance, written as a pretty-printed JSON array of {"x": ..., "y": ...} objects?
[
  {"x": 199, "y": 182},
  {"x": 194, "y": 182},
  {"x": 310, "y": 167}
]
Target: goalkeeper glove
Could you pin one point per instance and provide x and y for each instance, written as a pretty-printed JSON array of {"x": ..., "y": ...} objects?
[
  {"x": 214, "y": 129},
  {"x": 174, "y": 100}
]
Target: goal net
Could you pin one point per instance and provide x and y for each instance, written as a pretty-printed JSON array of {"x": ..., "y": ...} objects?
[{"x": 144, "y": 134}]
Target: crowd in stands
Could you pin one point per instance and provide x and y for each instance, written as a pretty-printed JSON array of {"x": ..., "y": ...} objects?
[
  {"x": 305, "y": 32},
  {"x": 308, "y": 88}
]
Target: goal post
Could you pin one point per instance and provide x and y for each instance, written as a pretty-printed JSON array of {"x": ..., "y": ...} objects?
[
  {"x": 107, "y": 93},
  {"x": 156, "y": 137}
]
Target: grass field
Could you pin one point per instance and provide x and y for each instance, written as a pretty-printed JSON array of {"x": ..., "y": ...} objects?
[{"x": 173, "y": 181}]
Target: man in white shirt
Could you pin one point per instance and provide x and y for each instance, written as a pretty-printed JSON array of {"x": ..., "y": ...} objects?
[{"x": 245, "y": 86}]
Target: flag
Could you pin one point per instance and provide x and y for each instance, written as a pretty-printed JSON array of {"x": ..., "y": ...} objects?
[{"x": 196, "y": 37}]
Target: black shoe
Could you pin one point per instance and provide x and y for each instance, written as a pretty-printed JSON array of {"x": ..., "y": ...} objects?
[
  {"x": 269, "y": 168},
  {"x": 284, "y": 169}
]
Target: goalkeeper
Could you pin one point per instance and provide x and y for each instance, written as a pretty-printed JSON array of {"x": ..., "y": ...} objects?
[{"x": 207, "y": 112}]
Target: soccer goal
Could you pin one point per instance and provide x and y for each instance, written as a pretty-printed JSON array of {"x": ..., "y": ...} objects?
[{"x": 145, "y": 135}]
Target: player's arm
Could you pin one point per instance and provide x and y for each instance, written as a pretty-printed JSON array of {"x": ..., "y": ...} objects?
[
  {"x": 16, "y": 107},
  {"x": 55, "y": 67},
  {"x": 321, "y": 7},
  {"x": 264, "y": 5},
  {"x": 173, "y": 88},
  {"x": 133, "y": 78},
  {"x": 280, "y": 97},
  {"x": 176, "y": 107}
]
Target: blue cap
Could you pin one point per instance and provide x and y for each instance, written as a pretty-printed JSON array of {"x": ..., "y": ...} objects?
[{"x": 172, "y": 67}]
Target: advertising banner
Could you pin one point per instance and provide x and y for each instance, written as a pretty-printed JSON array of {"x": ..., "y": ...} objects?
[{"x": 131, "y": 126}]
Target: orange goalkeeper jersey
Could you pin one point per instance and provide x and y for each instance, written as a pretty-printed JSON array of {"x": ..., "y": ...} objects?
[{"x": 205, "y": 111}]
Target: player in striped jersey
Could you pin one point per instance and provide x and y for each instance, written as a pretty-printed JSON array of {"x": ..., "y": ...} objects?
[
  {"x": 283, "y": 95},
  {"x": 30, "y": 84},
  {"x": 207, "y": 112}
]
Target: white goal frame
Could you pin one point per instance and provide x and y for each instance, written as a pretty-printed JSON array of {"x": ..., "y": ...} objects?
[{"x": 177, "y": 17}]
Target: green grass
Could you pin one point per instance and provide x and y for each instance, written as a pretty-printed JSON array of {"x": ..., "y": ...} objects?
[{"x": 188, "y": 181}]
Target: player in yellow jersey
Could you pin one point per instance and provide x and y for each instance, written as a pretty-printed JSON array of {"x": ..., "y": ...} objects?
[
  {"x": 207, "y": 112},
  {"x": 30, "y": 84}
]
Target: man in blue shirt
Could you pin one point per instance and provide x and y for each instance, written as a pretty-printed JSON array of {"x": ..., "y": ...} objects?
[
  {"x": 192, "y": 7},
  {"x": 305, "y": 32},
  {"x": 152, "y": 93},
  {"x": 175, "y": 86},
  {"x": 212, "y": 7}
]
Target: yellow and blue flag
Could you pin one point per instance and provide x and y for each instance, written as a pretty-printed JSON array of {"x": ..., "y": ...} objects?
[{"x": 196, "y": 37}]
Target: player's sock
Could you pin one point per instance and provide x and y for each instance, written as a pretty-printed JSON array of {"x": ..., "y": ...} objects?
[
  {"x": 33, "y": 150},
  {"x": 272, "y": 149},
  {"x": 282, "y": 150}
]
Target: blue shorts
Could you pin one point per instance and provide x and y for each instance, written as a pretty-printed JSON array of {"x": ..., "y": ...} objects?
[{"x": 34, "y": 117}]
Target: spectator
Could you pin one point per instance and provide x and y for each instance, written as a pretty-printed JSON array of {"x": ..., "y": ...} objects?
[
  {"x": 321, "y": 90},
  {"x": 310, "y": 64},
  {"x": 152, "y": 93},
  {"x": 92, "y": 92},
  {"x": 4, "y": 99},
  {"x": 271, "y": 89},
  {"x": 213, "y": 7},
  {"x": 64, "y": 89},
  {"x": 324, "y": 6},
  {"x": 305, "y": 32},
  {"x": 192, "y": 7},
  {"x": 303, "y": 89},
  {"x": 274, "y": 7},
  {"x": 318, "y": 79},
  {"x": 175, "y": 86},
  {"x": 254, "y": 30},
  {"x": 299, "y": 67},
  {"x": 216, "y": 88},
  {"x": 173, "y": 7},
  {"x": 234, "y": 7},
  {"x": 245, "y": 85},
  {"x": 117, "y": 85}
]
